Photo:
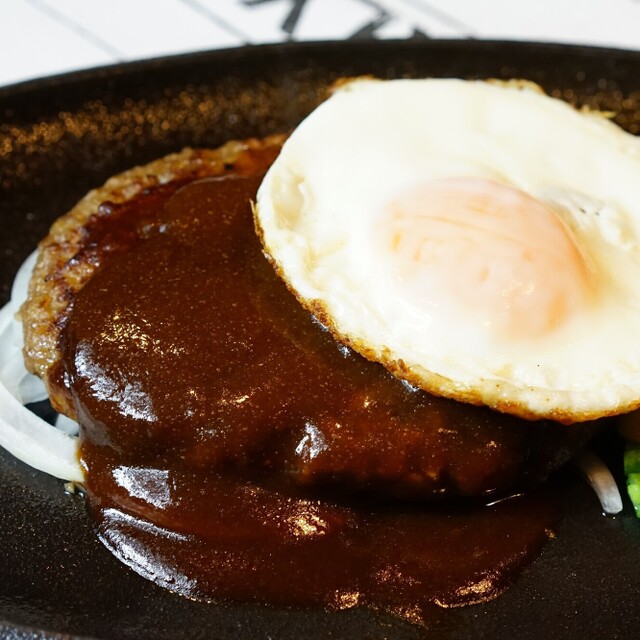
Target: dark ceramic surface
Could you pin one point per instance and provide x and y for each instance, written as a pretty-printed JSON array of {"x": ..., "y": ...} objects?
[{"x": 61, "y": 136}]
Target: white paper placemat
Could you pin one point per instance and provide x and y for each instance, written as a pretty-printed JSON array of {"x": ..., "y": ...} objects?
[{"x": 43, "y": 37}]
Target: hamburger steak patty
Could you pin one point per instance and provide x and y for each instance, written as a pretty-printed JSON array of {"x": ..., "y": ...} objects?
[
  {"x": 67, "y": 258},
  {"x": 317, "y": 414}
]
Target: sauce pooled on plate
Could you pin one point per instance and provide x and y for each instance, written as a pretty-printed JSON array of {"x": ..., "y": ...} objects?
[{"x": 234, "y": 451}]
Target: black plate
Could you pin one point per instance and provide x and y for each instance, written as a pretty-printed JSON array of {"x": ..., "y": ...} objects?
[{"x": 61, "y": 136}]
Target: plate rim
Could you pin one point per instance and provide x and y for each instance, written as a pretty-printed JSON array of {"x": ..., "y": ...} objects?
[
  {"x": 284, "y": 49},
  {"x": 288, "y": 48}
]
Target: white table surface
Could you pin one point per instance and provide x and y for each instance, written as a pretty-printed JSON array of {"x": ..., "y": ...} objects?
[{"x": 44, "y": 37}]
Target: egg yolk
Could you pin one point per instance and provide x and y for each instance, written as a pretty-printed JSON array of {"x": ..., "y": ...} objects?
[{"x": 486, "y": 250}]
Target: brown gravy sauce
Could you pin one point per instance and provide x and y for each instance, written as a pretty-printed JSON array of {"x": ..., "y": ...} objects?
[{"x": 233, "y": 449}]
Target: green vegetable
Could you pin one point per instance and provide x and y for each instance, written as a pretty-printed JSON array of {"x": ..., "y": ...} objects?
[
  {"x": 632, "y": 459},
  {"x": 632, "y": 471}
]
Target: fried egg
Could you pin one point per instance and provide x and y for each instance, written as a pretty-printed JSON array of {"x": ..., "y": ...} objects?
[{"x": 481, "y": 240}]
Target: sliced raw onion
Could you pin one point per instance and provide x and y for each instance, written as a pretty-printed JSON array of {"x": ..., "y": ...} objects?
[
  {"x": 67, "y": 425},
  {"x": 22, "y": 385},
  {"x": 22, "y": 433},
  {"x": 597, "y": 474},
  {"x": 36, "y": 442}
]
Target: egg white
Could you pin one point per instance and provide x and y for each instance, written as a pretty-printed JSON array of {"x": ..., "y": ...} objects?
[{"x": 316, "y": 213}]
